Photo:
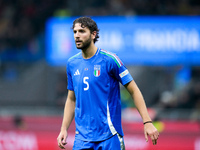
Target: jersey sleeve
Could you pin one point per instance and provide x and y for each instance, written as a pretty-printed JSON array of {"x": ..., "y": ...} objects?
[
  {"x": 119, "y": 71},
  {"x": 69, "y": 78}
]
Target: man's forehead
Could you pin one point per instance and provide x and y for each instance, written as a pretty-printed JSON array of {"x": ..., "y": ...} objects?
[{"x": 79, "y": 26}]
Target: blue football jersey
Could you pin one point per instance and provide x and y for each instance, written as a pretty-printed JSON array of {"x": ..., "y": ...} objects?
[{"x": 95, "y": 82}]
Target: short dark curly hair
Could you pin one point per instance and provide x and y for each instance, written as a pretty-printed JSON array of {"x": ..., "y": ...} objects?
[{"x": 88, "y": 22}]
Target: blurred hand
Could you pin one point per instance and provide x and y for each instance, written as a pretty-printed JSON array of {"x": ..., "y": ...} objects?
[
  {"x": 152, "y": 132},
  {"x": 62, "y": 139}
]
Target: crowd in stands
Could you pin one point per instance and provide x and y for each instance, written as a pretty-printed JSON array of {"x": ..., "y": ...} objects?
[
  {"x": 22, "y": 20},
  {"x": 144, "y": 7},
  {"x": 187, "y": 97}
]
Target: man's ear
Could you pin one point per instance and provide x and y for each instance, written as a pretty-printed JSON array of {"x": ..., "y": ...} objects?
[{"x": 94, "y": 33}]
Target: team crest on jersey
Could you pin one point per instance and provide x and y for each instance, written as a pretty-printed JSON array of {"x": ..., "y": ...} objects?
[{"x": 97, "y": 70}]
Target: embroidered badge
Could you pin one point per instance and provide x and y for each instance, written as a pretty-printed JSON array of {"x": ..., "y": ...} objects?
[{"x": 97, "y": 70}]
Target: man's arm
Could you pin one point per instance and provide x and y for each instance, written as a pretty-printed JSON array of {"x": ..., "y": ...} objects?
[
  {"x": 67, "y": 118},
  {"x": 149, "y": 128}
]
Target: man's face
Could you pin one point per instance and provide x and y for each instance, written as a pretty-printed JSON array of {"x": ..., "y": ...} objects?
[{"x": 82, "y": 36}]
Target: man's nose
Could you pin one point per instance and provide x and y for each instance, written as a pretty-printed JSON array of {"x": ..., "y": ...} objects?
[{"x": 76, "y": 34}]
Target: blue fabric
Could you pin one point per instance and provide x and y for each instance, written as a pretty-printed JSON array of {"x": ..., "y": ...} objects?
[
  {"x": 112, "y": 143},
  {"x": 95, "y": 82}
]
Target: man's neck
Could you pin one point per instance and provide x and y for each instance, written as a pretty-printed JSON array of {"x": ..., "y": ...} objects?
[{"x": 89, "y": 52}]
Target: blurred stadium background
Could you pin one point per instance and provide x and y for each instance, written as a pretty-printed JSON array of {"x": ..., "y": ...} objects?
[{"x": 158, "y": 40}]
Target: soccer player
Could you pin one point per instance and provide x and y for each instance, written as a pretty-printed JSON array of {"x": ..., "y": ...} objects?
[{"x": 94, "y": 94}]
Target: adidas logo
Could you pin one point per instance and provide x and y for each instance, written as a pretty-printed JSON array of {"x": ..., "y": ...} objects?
[{"x": 76, "y": 73}]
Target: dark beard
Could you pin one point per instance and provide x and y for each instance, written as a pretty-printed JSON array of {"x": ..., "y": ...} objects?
[{"x": 86, "y": 44}]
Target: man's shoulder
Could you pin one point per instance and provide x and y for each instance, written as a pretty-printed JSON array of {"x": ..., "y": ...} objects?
[
  {"x": 111, "y": 57},
  {"x": 106, "y": 52},
  {"x": 74, "y": 57}
]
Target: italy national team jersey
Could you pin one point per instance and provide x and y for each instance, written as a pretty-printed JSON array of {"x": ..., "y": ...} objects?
[{"x": 95, "y": 82}]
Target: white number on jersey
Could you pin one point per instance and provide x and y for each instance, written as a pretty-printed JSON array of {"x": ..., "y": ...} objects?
[{"x": 86, "y": 82}]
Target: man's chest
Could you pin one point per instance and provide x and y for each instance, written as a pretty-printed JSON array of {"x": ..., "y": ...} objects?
[{"x": 87, "y": 74}]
